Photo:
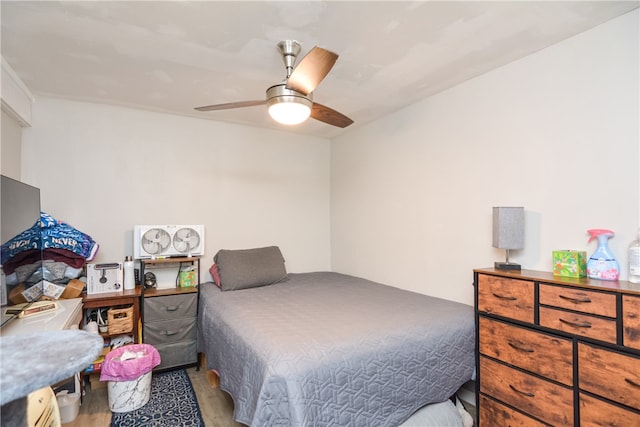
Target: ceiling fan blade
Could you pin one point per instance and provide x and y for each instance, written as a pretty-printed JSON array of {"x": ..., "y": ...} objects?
[
  {"x": 330, "y": 116},
  {"x": 311, "y": 70},
  {"x": 229, "y": 105}
]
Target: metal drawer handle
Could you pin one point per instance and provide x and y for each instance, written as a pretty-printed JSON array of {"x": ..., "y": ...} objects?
[
  {"x": 172, "y": 307},
  {"x": 509, "y": 298},
  {"x": 520, "y": 348},
  {"x": 524, "y": 393},
  {"x": 632, "y": 382},
  {"x": 576, "y": 300},
  {"x": 575, "y": 324}
]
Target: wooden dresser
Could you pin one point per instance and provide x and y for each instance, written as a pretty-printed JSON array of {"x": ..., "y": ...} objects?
[{"x": 556, "y": 350}]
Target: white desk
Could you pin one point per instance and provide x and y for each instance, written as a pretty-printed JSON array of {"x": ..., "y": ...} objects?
[{"x": 66, "y": 316}]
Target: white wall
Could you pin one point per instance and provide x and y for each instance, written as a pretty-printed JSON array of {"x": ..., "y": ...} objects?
[
  {"x": 16, "y": 112},
  {"x": 104, "y": 169},
  {"x": 10, "y": 146},
  {"x": 556, "y": 132}
]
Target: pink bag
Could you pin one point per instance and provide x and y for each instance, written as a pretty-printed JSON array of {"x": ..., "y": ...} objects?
[{"x": 129, "y": 362}]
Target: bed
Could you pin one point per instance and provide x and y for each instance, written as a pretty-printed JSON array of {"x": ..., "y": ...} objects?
[{"x": 328, "y": 349}]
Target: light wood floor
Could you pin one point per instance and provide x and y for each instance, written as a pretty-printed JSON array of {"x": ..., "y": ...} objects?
[{"x": 216, "y": 405}]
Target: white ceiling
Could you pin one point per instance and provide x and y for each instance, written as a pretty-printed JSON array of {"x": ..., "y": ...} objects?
[{"x": 171, "y": 56}]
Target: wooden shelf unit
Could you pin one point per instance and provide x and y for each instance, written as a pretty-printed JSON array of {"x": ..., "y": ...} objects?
[{"x": 116, "y": 299}]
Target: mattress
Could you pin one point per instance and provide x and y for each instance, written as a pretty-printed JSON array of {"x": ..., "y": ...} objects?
[{"x": 327, "y": 349}]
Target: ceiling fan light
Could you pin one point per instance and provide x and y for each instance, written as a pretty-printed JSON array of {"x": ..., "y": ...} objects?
[{"x": 289, "y": 110}]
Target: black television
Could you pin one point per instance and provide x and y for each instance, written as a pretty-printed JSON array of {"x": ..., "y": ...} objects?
[{"x": 19, "y": 210}]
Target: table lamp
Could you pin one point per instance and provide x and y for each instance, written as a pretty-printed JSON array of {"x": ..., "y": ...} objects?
[{"x": 508, "y": 233}]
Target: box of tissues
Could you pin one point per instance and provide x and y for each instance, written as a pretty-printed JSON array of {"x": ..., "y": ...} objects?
[{"x": 570, "y": 263}]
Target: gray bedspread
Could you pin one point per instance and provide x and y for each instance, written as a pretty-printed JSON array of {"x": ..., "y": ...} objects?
[{"x": 326, "y": 349}]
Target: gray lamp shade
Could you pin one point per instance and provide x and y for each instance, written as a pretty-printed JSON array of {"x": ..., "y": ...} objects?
[{"x": 508, "y": 227}]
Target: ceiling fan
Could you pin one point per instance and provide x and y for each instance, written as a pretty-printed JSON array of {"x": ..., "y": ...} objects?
[{"x": 291, "y": 101}]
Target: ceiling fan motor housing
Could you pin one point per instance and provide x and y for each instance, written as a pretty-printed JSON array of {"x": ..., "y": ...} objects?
[{"x": 279, "y": 93}]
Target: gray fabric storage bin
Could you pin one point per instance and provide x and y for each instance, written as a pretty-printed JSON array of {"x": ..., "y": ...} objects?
[
  {"x": 170, "y": 331},
  {"x": 177, "y": 354},
  {"x": 173, "y": 306}
]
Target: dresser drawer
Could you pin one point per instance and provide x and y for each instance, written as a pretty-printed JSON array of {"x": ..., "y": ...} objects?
[
  {"x": 609, "y": 374},
  {"x": 542, "y": 399},
  {"x": 526, "y": 348},
  {"x": 579, "y": 324},
  {"x": 492, "y": 413},
  {"x": 506, "y": 297},
  {"x": 170, "y": 307},
  {"x": 631, "y": 321},
  {"x": 167, "y": 331},
  {"x": 177, "y": 354},
  {"x": 590, "y": 302},
  {"x": 597, "y": 413}
]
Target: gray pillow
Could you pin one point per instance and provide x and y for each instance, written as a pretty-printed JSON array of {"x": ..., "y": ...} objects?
[{"x": 249, "y": 268}]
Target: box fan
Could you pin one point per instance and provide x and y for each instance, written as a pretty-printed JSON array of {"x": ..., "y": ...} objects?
[{"x": 158, "y": 241}]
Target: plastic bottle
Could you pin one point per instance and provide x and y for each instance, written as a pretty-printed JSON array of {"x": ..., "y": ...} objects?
[
  {"x": 634, "y": 260},
  {"x": 129, "y": 279},
  {"x": 602, "y": 264}
]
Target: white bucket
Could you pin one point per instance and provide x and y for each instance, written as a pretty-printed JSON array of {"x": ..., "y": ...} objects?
[
  {"x": 69, "y": 406},
  {"x": 125, "y": 396}
]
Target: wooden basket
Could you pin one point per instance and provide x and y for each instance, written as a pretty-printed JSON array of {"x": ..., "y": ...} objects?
[{"x": 120, "y": 320}]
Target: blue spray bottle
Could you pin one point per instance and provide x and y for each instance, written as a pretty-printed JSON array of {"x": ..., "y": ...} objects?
[{"x": 602, "y": 264}]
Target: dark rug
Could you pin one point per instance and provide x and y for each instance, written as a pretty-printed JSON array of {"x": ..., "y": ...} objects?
[{"x": 173, "y": 403}]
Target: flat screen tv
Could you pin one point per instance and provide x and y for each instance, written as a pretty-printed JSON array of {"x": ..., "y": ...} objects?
[{"x": 19, "y": 210}]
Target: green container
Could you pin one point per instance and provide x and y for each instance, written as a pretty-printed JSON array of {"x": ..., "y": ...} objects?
[{"x": 570, "y": 263}]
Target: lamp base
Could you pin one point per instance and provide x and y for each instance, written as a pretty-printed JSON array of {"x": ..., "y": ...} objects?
[{"x": 507, "y": 266}]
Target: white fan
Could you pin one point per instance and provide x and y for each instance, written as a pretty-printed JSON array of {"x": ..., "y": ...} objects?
[
  {"x": 169, "y": 240},
  {"x": 185, "y": 240},
  {"x": 156, "y": 241}
]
